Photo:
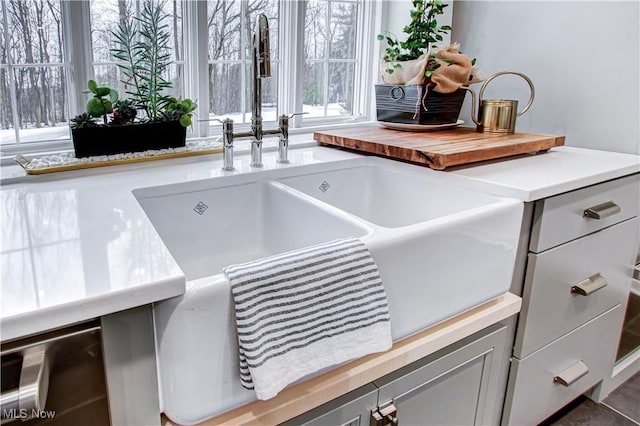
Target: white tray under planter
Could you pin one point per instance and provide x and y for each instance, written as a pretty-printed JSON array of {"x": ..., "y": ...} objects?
[{"x": 405, "y": 104}]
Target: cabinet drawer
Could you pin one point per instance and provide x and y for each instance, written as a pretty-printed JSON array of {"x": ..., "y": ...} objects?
[
  {"x": 561, "y": 218},
  {"x": 533, "y": 394},
  {"x": 552, "y": 309}
]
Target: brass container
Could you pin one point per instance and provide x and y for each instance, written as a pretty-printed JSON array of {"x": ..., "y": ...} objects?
[{"x": 498, "y": 115}]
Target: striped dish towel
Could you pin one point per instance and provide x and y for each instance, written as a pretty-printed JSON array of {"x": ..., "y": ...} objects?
[{"x": 300, "y": 312}]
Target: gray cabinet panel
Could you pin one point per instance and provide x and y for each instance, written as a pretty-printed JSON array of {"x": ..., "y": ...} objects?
[
  {"x": 535, "y": 394},
  {"x": 552, "y": 307},
  {"x": 461, "y": 384},
  {"x": 130, "y": 365},
  {"x": 578, "y": 268},
  {"x": 458, "y": 387},
  {"x": 561, "y": 218},
  {"x": 449, "y": 399},
  {"x": 351, "y": 409}
]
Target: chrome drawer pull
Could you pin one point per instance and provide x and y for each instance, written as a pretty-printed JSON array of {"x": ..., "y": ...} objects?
[
  {"x": 572, "y": 374},
  {"x": 602, "y": 210},
  {"x": 589, "y": 285}
]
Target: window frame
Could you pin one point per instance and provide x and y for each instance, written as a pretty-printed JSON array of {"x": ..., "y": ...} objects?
[
  {"x": 327, "y": 61},
  {"x": 78, "y": 68}
]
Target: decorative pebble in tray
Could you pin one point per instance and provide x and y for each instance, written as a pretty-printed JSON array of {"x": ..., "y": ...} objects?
[{"x": 67, "y": 161}]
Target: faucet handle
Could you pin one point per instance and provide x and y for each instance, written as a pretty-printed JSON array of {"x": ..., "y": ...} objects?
[
  {"x": 283, "y": 144},
  {"x": 225, "y": 122},
  {"x": 284, "y": 119},
  {"x": 227, "y": 127},
  {"x": 227, "y": 143},
  {"x": 213, "y": 119},
  {"x": 293, "y": 114}
]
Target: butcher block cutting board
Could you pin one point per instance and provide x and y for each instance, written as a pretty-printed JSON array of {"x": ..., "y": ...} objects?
[{"x": 437, "y": 149}]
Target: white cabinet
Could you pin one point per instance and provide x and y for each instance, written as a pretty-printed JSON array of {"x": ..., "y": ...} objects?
[
  {"x": 461, "y": 384},
  {"x": 550, "y": 378},
  {"x": 577, "y": 279},
  {"x": 552, "y": 303},
  {"x": 562, "y": 218}
]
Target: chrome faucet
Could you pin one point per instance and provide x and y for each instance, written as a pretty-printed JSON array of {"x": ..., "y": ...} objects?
[
  {"x": 261, "y": 63},
  {"x": 261, "y": 68}
]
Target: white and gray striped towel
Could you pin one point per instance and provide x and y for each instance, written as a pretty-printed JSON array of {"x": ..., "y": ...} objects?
[{"x": 300, "y": 312}]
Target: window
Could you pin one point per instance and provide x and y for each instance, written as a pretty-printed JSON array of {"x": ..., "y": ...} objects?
[
  {"x": 33, "y": 72},
  {"x": 105, "y": 16},
  {"x": 50, "y": 48},
  {"x": 330, "y": 29},
  {"x": 229, "y": 25}
]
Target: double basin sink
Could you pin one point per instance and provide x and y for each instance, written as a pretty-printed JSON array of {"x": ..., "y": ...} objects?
[{"x": 440, "y": 249}]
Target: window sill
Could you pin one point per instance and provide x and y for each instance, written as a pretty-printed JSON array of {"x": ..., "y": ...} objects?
[{"x": 10, "y": 172}]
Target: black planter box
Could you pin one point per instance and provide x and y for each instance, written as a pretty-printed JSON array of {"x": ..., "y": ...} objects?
[
  {"x": 404, "y": 104},
  {"x": 108, "y": 140}
]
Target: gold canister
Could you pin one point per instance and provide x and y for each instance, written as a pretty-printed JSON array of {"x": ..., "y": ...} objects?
[{"x": 498, "y": 116}]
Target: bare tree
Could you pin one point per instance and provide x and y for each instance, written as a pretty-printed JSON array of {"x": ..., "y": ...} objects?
[
  {"x": 54, "y": 9},
  {"x": 20, "y": 14},
  {"x": 6, "y": 114},
  {"x": 227, "y": 41},
  {"x": 34, "y": 46}
]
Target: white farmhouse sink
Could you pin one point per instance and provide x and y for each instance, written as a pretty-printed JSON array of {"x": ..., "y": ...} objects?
[
  {"x": 209, "y": 229},
  {"x": 440, "y": 249},
  {"x": 386, "y": 197}
]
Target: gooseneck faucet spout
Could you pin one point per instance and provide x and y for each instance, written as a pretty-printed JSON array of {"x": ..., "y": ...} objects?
[{"x": 261, "y": 69}]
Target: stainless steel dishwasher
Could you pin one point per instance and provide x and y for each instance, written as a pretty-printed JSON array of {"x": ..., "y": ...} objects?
[{"x": 55, "y": 378}]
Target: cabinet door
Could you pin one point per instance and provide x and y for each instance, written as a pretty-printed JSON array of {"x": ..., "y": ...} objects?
[
  {"x": 351, "y": 409},
  {"x": 455, "y": 388}
]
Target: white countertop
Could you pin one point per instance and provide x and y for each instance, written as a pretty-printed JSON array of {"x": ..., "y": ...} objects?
[
  {"x": 77, "y": 245},
  {"x": 537, "y": 176}
]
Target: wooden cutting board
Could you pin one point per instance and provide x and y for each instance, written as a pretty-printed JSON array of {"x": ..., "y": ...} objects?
[{"x": 437, "y": 149}]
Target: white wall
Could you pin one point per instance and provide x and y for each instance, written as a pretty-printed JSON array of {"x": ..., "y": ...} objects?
[
  {"x": 395, "y": 16},
  {"x": 582, "y": 56}
]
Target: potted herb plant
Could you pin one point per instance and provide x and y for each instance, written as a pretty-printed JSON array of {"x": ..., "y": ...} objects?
[
  {"x": 147, "y": 120},
  {"x": 421, "y": 83}
]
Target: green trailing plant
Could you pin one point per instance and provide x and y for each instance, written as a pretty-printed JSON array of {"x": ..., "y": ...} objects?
[
  {"x": 99, "y": 105},
  {"x": 423, "y": 31},
  {"x": 144, "y": 57},
  {"x": 82, "y": 121}
]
